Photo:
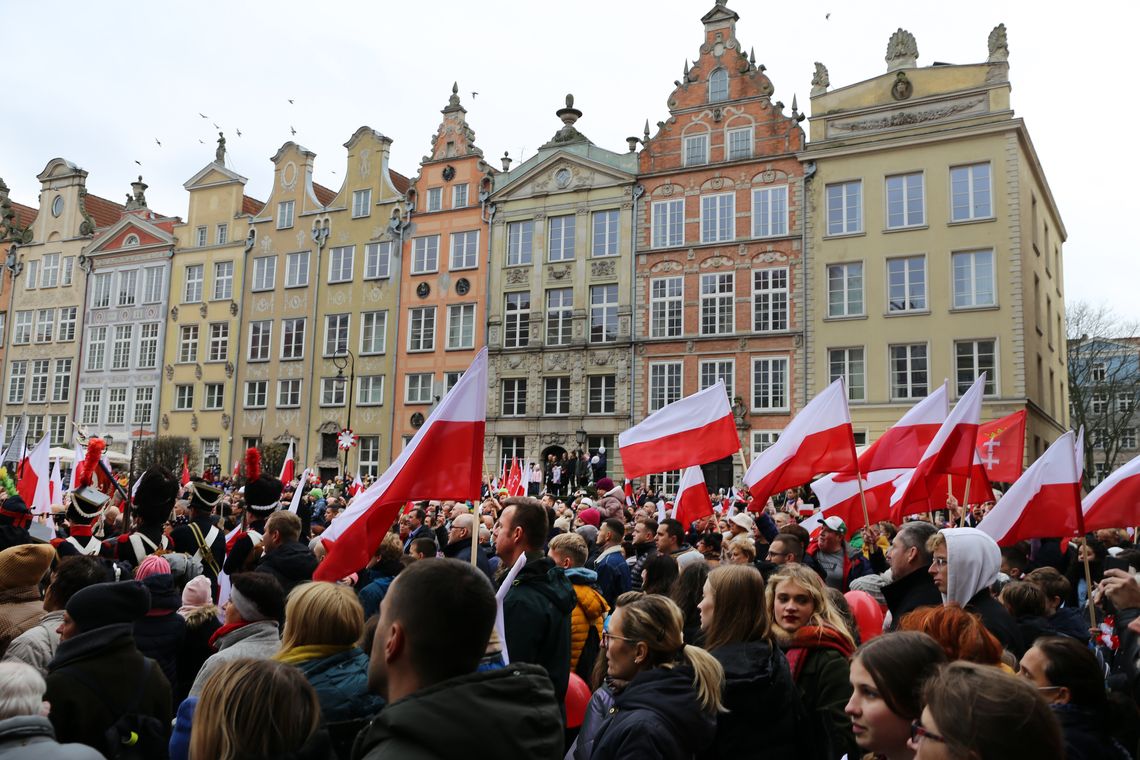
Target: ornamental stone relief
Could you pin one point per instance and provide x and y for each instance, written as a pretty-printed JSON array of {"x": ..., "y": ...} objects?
[
  {"x": 716, "y": 261},
  {"x": 667, "y": 266},
  {"x": 603, "y": 268},
  {"x": 558, "y": 273},
  {"x": 263, "y": 304},
  {"x": 602, "y": 358},
  {"x": 769, "y": 257},
  {"x": 517, "y": 276}
]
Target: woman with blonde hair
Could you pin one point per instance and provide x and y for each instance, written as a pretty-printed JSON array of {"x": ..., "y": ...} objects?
[
  {"x": 256, "y": 710},
  {"x": 818, "y": 646},
  {"x": 669, "y": 707},
  {"x": 741, "y": 550}
]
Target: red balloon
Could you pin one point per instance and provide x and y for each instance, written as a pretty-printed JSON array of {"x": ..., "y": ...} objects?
[
  {"x": 868, "y": 614},
  {"x": 577, "y": 697}
]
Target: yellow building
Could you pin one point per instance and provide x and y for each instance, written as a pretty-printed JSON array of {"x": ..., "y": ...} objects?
[{"x": 935, "y": 244}]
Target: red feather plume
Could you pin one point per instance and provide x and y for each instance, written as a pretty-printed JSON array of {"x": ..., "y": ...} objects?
[
  {"x": 252, "y": 464},
  {"x": 95, "y": 449}
]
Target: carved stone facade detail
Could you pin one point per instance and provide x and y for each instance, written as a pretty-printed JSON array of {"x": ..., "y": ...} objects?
[
  {"x": 820, "y": 81},
  {"x": 902, "y": 51},
  {"x": 557, "y": 272},
  {"x": 517, "y": 276},
  {"x": 666, "y": 266},
  {"x": 905, "y": 118},
  {"x": 716, "y": 261},
  {"x": 603, "y": 268}
]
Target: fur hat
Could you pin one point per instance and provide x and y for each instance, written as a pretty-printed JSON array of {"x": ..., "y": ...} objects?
[
  {"x": 203, "y": 496},
  {"x": 106, "y": 604},
  {"x": 262, "y": 492},
  {"x": 155, "y": 494},
  {"x": 24, "y": 565},
  {"x": 15, "y": 512}
]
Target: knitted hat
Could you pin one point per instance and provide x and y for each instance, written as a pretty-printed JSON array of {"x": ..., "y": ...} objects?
[
  {"x": 257, "y": 596},
  {"x": 107, "y": 604},
  {"x": 588, "y": 532},
  {"x": 590, "y": 516},
  {"x": 155, "y": 494},
  {"x": 15, "y": 512},
  {"x": 152, "y": 565},
  {"x": 604, "y": 484},
  {"x": 197, "y": 592},
  {"x": 24, "y": 565}
]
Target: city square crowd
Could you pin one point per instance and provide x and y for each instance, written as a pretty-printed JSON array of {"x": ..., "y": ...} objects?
[{"x": 578, "y": 621}]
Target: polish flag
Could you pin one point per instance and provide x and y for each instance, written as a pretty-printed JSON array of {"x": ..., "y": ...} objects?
[
  {"x": 443, "y": 461},
  {"x": 237, "y": 469},
  {"x": 1001, "y": 445},
  {"x": 299, "y": 492},
  {"x": 840, "y": 497},
  {"x": 819, "y": 439},
  {"x": 515, "y": 485},
  {"x": 288, "y": 467},
  {"x": 80, "y": 453},
  {"x": 1115, "y": 503},
  {"x": 1079, "y": 453},
  {"x": 692, "y": 502},
  {"x": 357, "y": 485},
  {"x": 34, "y": 478},
  {"x": 55, "y": 484},
  {"x": 185, "y": 469},
  {"x": 628, "y": 488},
  {"x": 904, "y": 443},
  {"x": 980, "y": 489},
  {"x": 695, "y": 430},
  {"x": 951, "y": 452},
  {"x": 1043, "y": 503}
]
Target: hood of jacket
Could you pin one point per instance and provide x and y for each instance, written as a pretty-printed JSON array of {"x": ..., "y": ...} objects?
[
  {"x": 197, "y": 616},
  {"x": 341, "y": 682},
  {"x": 24, "y": 727},
  {"x": 670, "y": 694},
  {"x": 512, "y": 710},
  {"x": 548, "y": 579},
  {"x": 590, "y": 601},
  {"x": 581, "y": 575},
  {"x": 749, "y": 662},
  {"x": 163, "y": 595},
  {"x": 293, "y": 561},
  {"x": 262, "y": 630},
  {"x": 973, "y": 562},
  {"x": 95, "y": 643}
]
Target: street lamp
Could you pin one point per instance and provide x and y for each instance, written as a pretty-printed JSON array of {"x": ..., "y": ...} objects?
[
  {"x": 345, "y": 358},
  {"x": 580, "y": 435}
]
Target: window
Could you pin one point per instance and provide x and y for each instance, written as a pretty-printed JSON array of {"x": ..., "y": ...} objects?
[
  {"x": 284, "y": 216},
  {"x": 68, "y": 270},
  {"x": 464, "y": 250},
  {"x": 61, "y": 389},
  {"x": 121, "y": 347},
  {"x": 1098, "y": 436},
  {"x": 255, "y": 393},
  {"x": 739, "y": 143},
  {"x": 101, "y": 290},
  {"x": 718, "y": 217},
  {"x": 718, "y": 85},
  {"x": 603, "y": 313},
  {"x": 908, "y": 371},
  {"x": 970, "y": 193},
  {"x": 559, "y": 316},
  {"x": 417, "y": 388},
  {"x": 333, "y": 391},
  {"x": 57, "y": 429},
  {"x": 1125, "y": 403},
  {"x": 370, "y": 391},
  {"x": 93, "y": 404},
  {"x": 297, "y": 269},
  {"x": 459, "y": 196},
  {"x": 293, "y": 338},
  {"x": 288, "y": 394},
  {"x": 770, "y": 300},
  {"x": 223, "y": 280},
  {"x": 37, "y": 392},
  {"x": 451, "y": 378},
  {"x": 219, "y": 342},
  {"x": 421, "y": 328},
  {"x": 845, "y": 208},
  {"x": 212, "y": 448},
  {"x": 601, "y": 393},
  {"x": 336, "y": 334},
  {"x": 971, "y": 358},
  {"x": 556, "y": 396},
  {"x": 221, "y": 234},
  {"x": 1128, "y": 438},
  {"x": 192, "y": 292},
  {"x": 763, "y": 440},
  {"x": 361, "y": 203},
  {"x": 665, "y": 307},
  {"x": 514, "y": 397},
  {"x": 144, "y": 406},
  {"x": 1098, "y": 373},
  {"x": 770, "y": 211},
  {"x": 435, "y": 198},
  {"x": 152, "y": 284},
  {"x": 200, "y": 236},
  {"x": 22, "y": 329},
  {"x": 906, "y": 284},
  {"x": 461, "y": 326},
  {"x": 51, "y": 271},
  {"x": 561, "y": 238},
  {"x": 1098, "y": 403},
  {"x": 116, "y": 406},
  {"x": 17, "y": 379},
  {"x": 425, "y": 254},
  {"x": 128, "y": 287},
  {"x": 511, "y": 447},
  {"x": 973, "y": 279},
  {"x": 264, "y": 273},
  {"x": 905, "y": 205},
  {"x": 34, "y": 275},
  {"x": 668, "y": 223},
  {"x": 377, "y": 260},
  {"x": 214, "y": 396},
  {"x": 714, "y": 370},
  {"x": 696, "y": 150},
  {"x": 188, "y": 343},
  {"x": 605, "y": 233},
  {"x": 45, "y": 323},
  {"x": 148, "y": 345},
  {"x": 340, "y": 263},
  {"x": 717, "y": 296},
  {"x": 96, "y": 348},
  {"x": 664, "y": 384},
  {"x": 368, "y": 455},
  {"x": 373, "y": 329},
  {"x": 520, "y": 243},
  {"x": 516, "y": 320},
  {"x": 769, "y": 384},
  {"x": 259, "y": 336},
  {"x": 845, "y": 290},
  {"x": 848, "y": 364}
]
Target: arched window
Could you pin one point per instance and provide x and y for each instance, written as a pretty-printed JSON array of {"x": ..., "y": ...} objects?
[
  {"x": 718, "y": 85},
  {"x": 131, "y": 241}
]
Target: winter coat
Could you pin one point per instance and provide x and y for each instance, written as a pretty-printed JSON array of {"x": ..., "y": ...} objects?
[
  {"x": 819, "y": 658},
  {"x": 1071, "y": 622},
  {"x": 612, "y": 504},
  {"x": 461, "y": 550},
  {"x": 11, "y": 536},
  {"x": 657, "y": 715},
  {"x": 1084, "y": 735},
  {"x": 855, "y": 565},
  {"x": 758, "y": 684},
  {"x": 259, "y": 640},
  {"x": 36, "y": 646},
  {"x": 161, "y": 634},
  {"x": 185, "y": 541},
  {"x": 909, "y": 593},
  {"x": 590, "y": 611},
  {"x": 997, "y": 620},
  {"x": 505, "y": 713},
  {"x": 371, "y": 595},
  {"x": 596, "y": 711},
  {"x": 20, "y": 609},
  {"x": 201, "y": 624},
  {"x": 536, "y": 617},
  {"x": 109, "y": 659},
  {"x": 30, "y": 737},
  {"x": 641, "y": 554},
  {"x": 341, "y": 683},
  {"x": 292, "y": 564}
]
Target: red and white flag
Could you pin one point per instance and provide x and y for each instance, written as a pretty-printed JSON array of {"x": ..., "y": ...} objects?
[
  {"x": 34, "y": 478},
  {"x": 1043, "y": 503},
  {"x": 443, "y": 461},
  {"x": 628, "y": 488},
  {"x": 819, "y": 439},
  {"x": 1115, "y": 503},
  {"x": 1001, "y": 446},
  {"x": 951, "y": 452},
  {"x": 904, "y": 443},
  {"x": 515, "y": 484},
  {"x": 185, "y": 469},
  {"x": 697, "y": 429},
  {"x": 80, "y": 453},
  {"x": 945, "y": 486},
  {"x": 692, "y": 502},
  {"x": 1079, "y": 453},
  {"x": 840, "y": 497},
  {"x": 299, "y": 492},
  {"x": 288, "y": 467},
  {"x": 357, "y": 485},
  {"x": 55, "y": 487}
]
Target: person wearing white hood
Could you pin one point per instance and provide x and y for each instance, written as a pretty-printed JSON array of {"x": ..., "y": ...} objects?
[{"x": 965, "y": 564}]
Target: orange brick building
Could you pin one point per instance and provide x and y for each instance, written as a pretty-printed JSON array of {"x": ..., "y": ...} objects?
[
  {"x": 719, "y": 247},
  {"x": 15, "y": 223}
]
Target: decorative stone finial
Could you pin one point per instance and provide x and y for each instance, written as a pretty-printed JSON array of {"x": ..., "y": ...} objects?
[
  {"x": 645, "y": 134},
  {"x": 752, "y": 56},
  {"x": 999, "y": 46},
  {"x": 220, "y": 153},
  {"x": 137, "y": 198},
  {"x": 569, "y": 100},
  {"x": 569, "y": 114},
  {"x": 902, "y": 51},
  {"x": 453, "y": 101},
  {"x": 820, "y": 81}
]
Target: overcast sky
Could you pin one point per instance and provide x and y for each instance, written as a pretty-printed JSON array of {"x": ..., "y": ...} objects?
[{"x": 99, "y": 83}]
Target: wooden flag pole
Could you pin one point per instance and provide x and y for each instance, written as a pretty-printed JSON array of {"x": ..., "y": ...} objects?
[
  {"x": 950, "y": 492},
  {"x": 966, "y": 498},
  {"x": 863, "y": 500},
  {"x": 1089, "y": 586}
]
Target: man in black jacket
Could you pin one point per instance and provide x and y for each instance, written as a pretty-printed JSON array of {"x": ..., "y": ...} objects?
[
  {"x": 262, "y": 498},
  {"x": 202, "y": 537},
  {"x": 417, "y": 528},
  {"x": 286, "y": 558},
  {"x": 458, "y": 544},
  {"x": 911, "y": 584},
  {"x": 152, "y": 503}
]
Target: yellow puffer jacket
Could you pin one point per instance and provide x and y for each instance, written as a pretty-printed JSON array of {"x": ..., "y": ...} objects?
[{"x": 590, "y": 611}]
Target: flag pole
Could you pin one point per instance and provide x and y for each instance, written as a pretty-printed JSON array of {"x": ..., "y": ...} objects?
[
  {"x": 950, "y": 493},
  {"x": 863, "y": 500},
  {"x": 1088, "y": 572},
  {"x": 966, "y": 496}
]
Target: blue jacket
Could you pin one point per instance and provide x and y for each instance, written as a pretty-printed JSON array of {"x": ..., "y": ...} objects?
[
  {"x": 372, "y": 594},
  {"x": 341, "y": 683},
  {"x": 614, "y": 577}
]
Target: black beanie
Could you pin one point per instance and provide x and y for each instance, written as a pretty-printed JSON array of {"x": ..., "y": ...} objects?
[
  {"x": 107, "y": 604},
  {"x": 15, "y": 512}
]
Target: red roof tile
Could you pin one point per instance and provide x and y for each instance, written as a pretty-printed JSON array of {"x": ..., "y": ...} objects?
[
  {"x": 251, "y": 206},
  {"x": 324, "y": 195},
  {"x": 104, "y": 212},
  {"x": 400, "y": 182},
  {"x": 25, "y": 215}
]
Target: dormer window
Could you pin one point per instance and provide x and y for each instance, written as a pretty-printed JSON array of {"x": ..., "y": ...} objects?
[{"x": 718, "y": 85}]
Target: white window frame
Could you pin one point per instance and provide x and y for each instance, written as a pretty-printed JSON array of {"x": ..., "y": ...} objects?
[
  {"x": 128, "y": 286},
  {"x": 666, "y": 384},
  {"x": 378, "y": 261},
  {"x": 560, "y": 386},
  {"x": 667, "y": 309},
  {"x": 338, "y": 327},
  {"x": 223, "y": 280},
  {"x": 763, "y": 440},
  {"x": 213, "y": 396},
  {"x": 187, "y": 344},
  {"x": 96, "y": 348},
  {"x": 695, "y": 150},
  {"x": 370, "y": 390},
  {"x": 968, "y": 297},
  {"x": 607, "y": 309},
  {"x": 718, "y": 224},
  {"x": 200, "y": 234},
  {"x": 561, "y": 237},
  {"x": 559, "y": 317},
  {"x": 771, "y": 300},
  {"x": 899, "y": 190},
  {"x": 423, "y": 383},
  {"x": 421, "y": 329},
  {"x": 770, "y": 211},
  {"x": 461, "y": 317},
  {"x": 517, "y": 318},
  {"x": 373, "y": 324},
  {"x": 773, "y": 364},
  {"x": 334, "y": 391},
  {"x": 264, "y": 274},
  {"x": 256, "y": 395},
  {"x": 192, "y": 288},
  {"x": 361, "y": 203},
  {"x": 746, "y": 135},
  {"x": 121, "y": 346},
  {"x": 153, "y": 284},
  {"x": 434, "y": 199},
  {"x": 22, "y": 328},
  {"x": 92, "y": 406},
  {"x": 285, "y": 214},
  {"x": 219, "y": 345},
  {"x": 425, "y": 254},
  {"x": 289, "y": 390},
  {"x": 718, "y": 79},
  {"x": 342, "y": 260},
  {"x": 709, "y": 371},
  {"x": 967, "y": 171},
  {"x": 61, "y": 383},
  {"x": 45, "y": 324},
  {"x": 296, "y": 350},
  {"x": 845, "y": 357},
  {"x": 604, "y": 394},
  {"x": 974, "y": 357},
  {"x": 520, "y": 243},
  {"x": 850, "y": 212},
  {"x": 718, "y": 303},
  {"x": 296, "y": 269},
  {"x": 908, "y": 284},
  {"x": 17, "y": 381},
  {"x": 513, "y": 402},
  {"x": 911, "y": 386},
  {"x": 848, "y": 272},
  {"x": 50, "y": 275},
  {"x": 668, "y": 223},
  {"x": 605, "y": 232},
  {"x": 100, "y": 290},
  {"x": 143, "y": 400},
  {"x": 221, "y": 234},
  {"x": 260, "y": 345},
  {"x": 464, "y": 253},
  {"x": 459, "y": 195}
]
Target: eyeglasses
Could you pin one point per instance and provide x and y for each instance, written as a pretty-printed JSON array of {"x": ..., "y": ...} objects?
[
  {"x": 607, "y": 636},
  {"x": 918, "y": 733},
  {"x": 940, "y": 561}
]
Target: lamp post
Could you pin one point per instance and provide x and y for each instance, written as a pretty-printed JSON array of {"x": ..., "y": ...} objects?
[{"x": 345, "y": 358}]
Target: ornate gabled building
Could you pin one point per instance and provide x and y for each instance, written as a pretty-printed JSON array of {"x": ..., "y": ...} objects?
[
  {"x": 443, "y": 289},
  {"x": 560, "y": 309},
  {"x": 16, "y": 221},
  {"x": 719, "y": 290}
]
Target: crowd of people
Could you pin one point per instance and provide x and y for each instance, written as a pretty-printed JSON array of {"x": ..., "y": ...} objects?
[{"x": 579, "y": 622}]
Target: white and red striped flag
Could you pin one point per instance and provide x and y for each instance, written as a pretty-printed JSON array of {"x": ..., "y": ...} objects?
[
  {"x": 55, "y": 488},
  {"x": 1115, "y": 503},
  {"x": 357, "y": 485},
  {"x": 819, "y": 439},
  {"x": 692, "y": 502},
  {"x": 1079, "y": 453},
  {"x": 299, "y": 492},
  {"x": 904, "y": 443},
  {"x": 288, "y": 467},
  {"x": 1043, "y": 503},
  {"x": 694, "y": 430},
  {"x": 839, "y": 496},
  {"x": 34, "y": 478},
  {"x": 443, "y": 461},
  {"x": 515, "y": 484},
  {"x": 627, "y": 487}
]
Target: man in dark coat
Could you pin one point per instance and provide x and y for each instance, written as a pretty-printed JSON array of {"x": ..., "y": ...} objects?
[
  {"x": 14, "y": 521},
  {"x": 153, "y": 501},
  {"x": 911, "y": 584},
  {"x": 202, "y": 537},
  {"x": 458, "y": 544},
  {"x": 286, "y": 558},
  {"x": 418, "y": 528},
  {"x": 262, "y": 498}
]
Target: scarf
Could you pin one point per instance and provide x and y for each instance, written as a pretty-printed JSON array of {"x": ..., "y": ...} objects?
[
  {"x": 310, "y": 652},
  {"x": 812, "y": 637},
  {"x": 226, "y": 628}
]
